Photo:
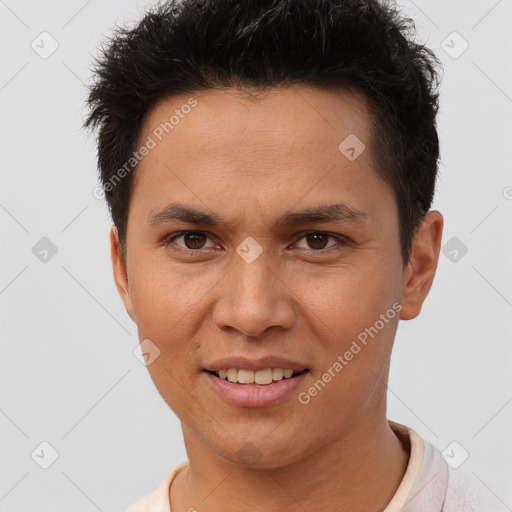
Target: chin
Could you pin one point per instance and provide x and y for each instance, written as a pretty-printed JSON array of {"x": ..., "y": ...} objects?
[{"x": 263, "y": 453}]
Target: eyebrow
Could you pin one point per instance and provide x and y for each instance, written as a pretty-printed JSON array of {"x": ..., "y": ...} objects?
[{"x": 337, "y": 212}]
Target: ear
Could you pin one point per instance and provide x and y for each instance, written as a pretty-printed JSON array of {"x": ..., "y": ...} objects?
[
  {"x": 120, "y": 273},
  {"x": 420, "y": 270}
]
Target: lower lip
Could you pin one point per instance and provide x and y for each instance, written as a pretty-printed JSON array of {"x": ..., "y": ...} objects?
[{"x": 249, "y": 395}]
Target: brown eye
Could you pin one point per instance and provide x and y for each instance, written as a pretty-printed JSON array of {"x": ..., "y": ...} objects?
[
  {"x": 318, "y": 240},
  {"x": 192, "y": 240}
]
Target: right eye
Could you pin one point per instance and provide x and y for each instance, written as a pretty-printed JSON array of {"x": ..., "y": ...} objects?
[{"x": 193, "y": 240}]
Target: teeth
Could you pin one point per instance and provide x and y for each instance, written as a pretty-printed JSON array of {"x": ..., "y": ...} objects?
[
  {"x": 232, "y": 375},
  {"x": 245, "y": 376},
  {"x": 277, "y": 373},
  {"x": 262, "y": 377}
]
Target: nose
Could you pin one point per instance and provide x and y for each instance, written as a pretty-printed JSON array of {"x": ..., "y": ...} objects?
[{"x": 253, "y": 298}]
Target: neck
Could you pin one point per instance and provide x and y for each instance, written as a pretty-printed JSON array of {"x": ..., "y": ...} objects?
[{"x": 339, "y": 472}]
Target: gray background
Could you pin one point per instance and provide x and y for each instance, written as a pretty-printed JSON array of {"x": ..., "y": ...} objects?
[{"x": 69, "y": 376}]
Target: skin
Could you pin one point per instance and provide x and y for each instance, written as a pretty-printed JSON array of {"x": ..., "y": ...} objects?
[{"x": 248, "y": 161}]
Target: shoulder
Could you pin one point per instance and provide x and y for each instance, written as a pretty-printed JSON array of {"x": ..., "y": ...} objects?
[
  {"x": 467, "y": 493},
  {"x": 143, "y": 504},
  {"x": 437, "y": 486},
  {"x": 157, "y": 500},
  {"x": 152, "y": 501}
]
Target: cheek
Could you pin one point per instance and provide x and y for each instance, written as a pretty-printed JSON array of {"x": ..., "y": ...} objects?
[
  {"x": 164, "y": 306},
  {"x": 159, "y": 315},
  {"x": 355, "y": 316},
  {"x": 161, "y": 295},
  {"x": 349, "y": 300}
]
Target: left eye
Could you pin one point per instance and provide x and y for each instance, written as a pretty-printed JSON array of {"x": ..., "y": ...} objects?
[{"x": 317, "y": 240}]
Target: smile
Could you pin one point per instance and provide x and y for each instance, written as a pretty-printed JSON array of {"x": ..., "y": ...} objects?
[
  {"x": 260, "y": 377},
  {"x": 249, "y": 388}
]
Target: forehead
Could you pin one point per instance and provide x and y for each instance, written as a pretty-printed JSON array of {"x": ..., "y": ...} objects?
[
  {"x": 284, "y": 145},
  {"x": 297, "y": 119}
]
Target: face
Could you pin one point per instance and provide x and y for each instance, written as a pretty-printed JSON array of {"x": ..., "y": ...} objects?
[{"x": 254, "y": 274}]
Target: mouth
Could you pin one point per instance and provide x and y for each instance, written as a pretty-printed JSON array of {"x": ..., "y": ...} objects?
[
  {"x": 262, "y": 387},
  {"x": 266, "y": 377}
]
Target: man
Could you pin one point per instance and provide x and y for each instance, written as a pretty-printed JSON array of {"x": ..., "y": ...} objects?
[{"x": 269, "y": 167}]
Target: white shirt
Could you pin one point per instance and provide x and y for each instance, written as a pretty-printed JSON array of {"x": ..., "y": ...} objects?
[{"x": 429, "y": 484}]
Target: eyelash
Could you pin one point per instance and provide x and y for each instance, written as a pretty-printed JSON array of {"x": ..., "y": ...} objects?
[{"x": 170, "y": 238}]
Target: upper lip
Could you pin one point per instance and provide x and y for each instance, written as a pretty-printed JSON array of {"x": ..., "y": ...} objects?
[{"x": 262, "y": 363}]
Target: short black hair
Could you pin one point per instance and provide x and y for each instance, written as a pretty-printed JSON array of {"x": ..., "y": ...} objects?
[{"x": 186, "y": 46}]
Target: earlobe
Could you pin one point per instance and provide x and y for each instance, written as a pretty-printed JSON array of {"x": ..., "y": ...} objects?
[
  {"x": 120, "y": 272},
  {"x": 421, "y": 269}
]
